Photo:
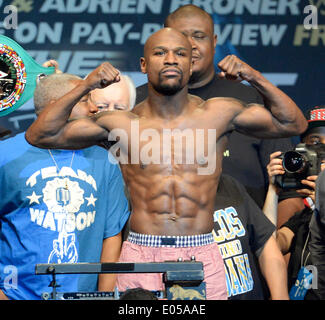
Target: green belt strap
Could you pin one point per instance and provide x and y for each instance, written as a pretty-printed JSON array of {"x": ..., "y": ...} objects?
[{"x": 18, "y": 75}]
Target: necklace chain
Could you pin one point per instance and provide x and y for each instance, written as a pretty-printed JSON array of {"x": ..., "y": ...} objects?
[{"x": 57, "y": 167}]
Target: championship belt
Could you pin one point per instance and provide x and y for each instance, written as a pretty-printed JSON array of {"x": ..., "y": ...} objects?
[{"x": 18, "y": 75}]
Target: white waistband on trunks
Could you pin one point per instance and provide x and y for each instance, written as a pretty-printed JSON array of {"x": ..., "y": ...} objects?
[{"x": 149, "y": 240}]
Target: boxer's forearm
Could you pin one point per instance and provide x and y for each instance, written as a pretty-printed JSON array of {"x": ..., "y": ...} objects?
[
  {"x": 53, "y": 118},
  {"x": 51, "y": 122},
  {"x": 282, "y": 107}
]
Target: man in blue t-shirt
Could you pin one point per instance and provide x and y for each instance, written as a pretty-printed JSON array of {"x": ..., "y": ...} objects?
[{"x": 57, "y": 206}]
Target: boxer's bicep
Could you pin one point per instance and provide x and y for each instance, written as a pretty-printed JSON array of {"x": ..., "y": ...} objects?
[{"x": 257, "y": 121}]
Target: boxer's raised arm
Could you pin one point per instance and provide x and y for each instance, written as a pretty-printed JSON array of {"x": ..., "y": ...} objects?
[
  {"x": 77, "y": 134},
  {"x": 285, "y": 117},
  {"x": 52, "y": 129}
]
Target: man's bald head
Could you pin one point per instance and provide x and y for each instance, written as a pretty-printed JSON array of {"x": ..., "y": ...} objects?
[
  {"x": 160, "y": 36},
  {"x": 188, "y": 11},
  {"x": 117, "y": 96},
  {"x": 167, "y": 61}
]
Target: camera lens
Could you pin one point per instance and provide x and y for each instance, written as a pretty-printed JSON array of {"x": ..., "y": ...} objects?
[{"x": 293, "y": 162}]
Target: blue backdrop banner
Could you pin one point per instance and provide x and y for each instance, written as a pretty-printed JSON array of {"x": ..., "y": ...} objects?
[{"x": 284, "y": 39}]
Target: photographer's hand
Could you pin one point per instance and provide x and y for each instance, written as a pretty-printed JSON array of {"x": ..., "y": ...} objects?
[
  {"x": 310, "y": 182},
  {"x": 274, "y": 168},
  {"x": 271, "y": 201},
  {"x": 282, "y": 235}
]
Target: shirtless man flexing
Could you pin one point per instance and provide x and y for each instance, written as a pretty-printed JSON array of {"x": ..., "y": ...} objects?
[{"x": 172, "y": 203}]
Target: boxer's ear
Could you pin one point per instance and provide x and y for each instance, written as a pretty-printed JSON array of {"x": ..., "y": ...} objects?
[{"x": 143, "y": 65}]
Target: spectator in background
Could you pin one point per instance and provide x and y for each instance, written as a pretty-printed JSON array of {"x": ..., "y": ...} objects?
[
  {"x": 293, "y": 236},
  {"x": 317, "y": 238},
  {"x": 249, "y": 251},
  {"x": 58, "y": 206},
  {"x": 117, "y": 96}
]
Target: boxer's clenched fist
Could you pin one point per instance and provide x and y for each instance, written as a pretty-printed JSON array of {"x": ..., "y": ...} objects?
[
  {"x": 103, "y": 76},
  {"x": 233, "y": 68}
]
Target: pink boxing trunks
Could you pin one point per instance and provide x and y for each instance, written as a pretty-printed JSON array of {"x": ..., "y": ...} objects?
[{"x": 153, "y": 248}]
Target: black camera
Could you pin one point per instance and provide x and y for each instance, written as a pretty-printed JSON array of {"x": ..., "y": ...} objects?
[{"x": 305, "y": 160}]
